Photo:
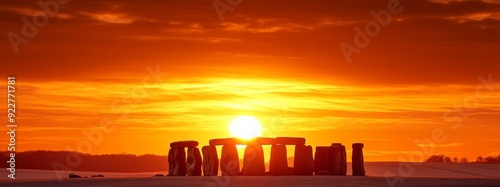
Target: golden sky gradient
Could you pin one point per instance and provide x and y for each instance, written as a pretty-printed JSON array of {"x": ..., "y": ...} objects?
[{"x": 278, "y": 60}]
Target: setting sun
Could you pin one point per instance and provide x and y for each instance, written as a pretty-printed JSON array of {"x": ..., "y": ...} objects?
[{"x": 245, "y": 127}]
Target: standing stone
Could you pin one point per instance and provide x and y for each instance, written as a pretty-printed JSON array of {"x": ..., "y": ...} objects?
[
  {"x": 358, "y": 168},
  {"x": 343, "y": 161},
  {"x": 321, "y": 161},
  {"x": 278, "y": 164},
  {"x": 253, "y": 161},
  {"x": 332, "y": 161},
  {"x": 335, "y": 155},
  {"x": 179, "y": 160},
  {"x": 210, "y": 161},
  {"x": 194, "y": 162},
  {"x": 229, "y": 162},
  {"x": 303, "y": 160},
  {"x": 171, "y": 163},
  {"x": 340, "y": 159}
]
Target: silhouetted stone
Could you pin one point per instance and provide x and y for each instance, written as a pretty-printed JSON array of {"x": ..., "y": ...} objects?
[
  {"x": 210, "y": 161},
  {"x": 194, "y": 162},
  {"x": 343, "y": 161},
  {"x": 229, "y": 163},
  {"x": 71, "y": 175},
  {"x": 227, "y": 141},
  {"x": 171, "y": 162},
  {"x": 358, "y": 168},
  {"x": 322, "y": 160},
  {"x": 179, "y": 161},
  {"x": 265, "y": 141},
  {"x": 335, "y": 156},
  {"x": 290, "y": 140},
  {"x": 183, "y": 144},
  {"x": 338, "y": 164},
  {"x": 303, "y": 161},
  {"x": 158, "y": 175},
  {"x": 278, "y": 164},
  {"x": 253, "y": 160}
]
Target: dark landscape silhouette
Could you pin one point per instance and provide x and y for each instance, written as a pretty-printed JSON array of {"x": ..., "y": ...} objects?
[
  {"x": 43, "y": 160},
  {"x": 328, "y": 160}
]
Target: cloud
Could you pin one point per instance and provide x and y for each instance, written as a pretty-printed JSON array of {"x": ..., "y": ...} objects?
[
  {"x": 277, "y": 60},
  {"x": 442, "y": 145},
  {"x": 458, "y": 1},
  {"x": 476, "y": 17},
  {"x": 426, "y": 38},
  {"x": 110, "y": 17}
]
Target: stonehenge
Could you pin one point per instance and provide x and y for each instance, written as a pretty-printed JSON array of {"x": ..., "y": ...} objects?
[
  {"x": 326, "y": 160},
  {"x": 194, "y": 162},
  {"x": 171, "y": 161},
  {"x": 265, "y": 141},
  {"x": 229, "y": 161},
  {"x": 210, "y": 161},
  {"x": 278, "y": 164},
  {"x": 303, "y": 160},
  {"x": 226, "y": 141},
  {"x": 340, "y": 161},
  {"x": 322, "y": 161},
  {"x": 183, "y": 144},
  {"x": 358, "y": 168},
  {"x": 290, "y": 141},
  {"x": 330, "y": 160},
  {"x": 178, "y": 162},
  {"x": 253, "y": 160}
]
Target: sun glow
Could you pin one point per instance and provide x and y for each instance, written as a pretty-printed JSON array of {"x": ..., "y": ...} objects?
[{"x": 245, "y": 127}]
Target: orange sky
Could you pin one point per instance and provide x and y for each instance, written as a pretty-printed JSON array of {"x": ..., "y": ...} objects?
[{"x": 279, "y": 61}]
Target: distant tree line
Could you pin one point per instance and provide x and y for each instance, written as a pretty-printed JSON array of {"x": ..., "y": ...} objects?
[
  {"x": 447, "y": 159},
  {"x": 44, "y": 160}
]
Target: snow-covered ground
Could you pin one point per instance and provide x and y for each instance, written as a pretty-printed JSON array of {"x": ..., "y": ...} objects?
[{"x": 418, "y": 174}]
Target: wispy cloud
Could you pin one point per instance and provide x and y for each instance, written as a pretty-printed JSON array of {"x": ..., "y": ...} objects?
[{"x": 442, "y": 145}]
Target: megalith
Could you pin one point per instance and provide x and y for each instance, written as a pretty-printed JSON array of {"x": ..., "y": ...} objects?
[
  {"x": 229, "y": 163},
  {"x": 194, "y": 162},
  {"x": 278, "y": 164},
  {"x": 321, "y": 160},
  {"x": 290, "y": 140},
  {"x": 253, "y": 160},
  {"x": 303, "y": 160},
  {"x": 171, "y": 162},
  {"x": 358, "y": 168},
  {"x": 210, "y": 161},
  {"x": 179, "y": 162}
]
